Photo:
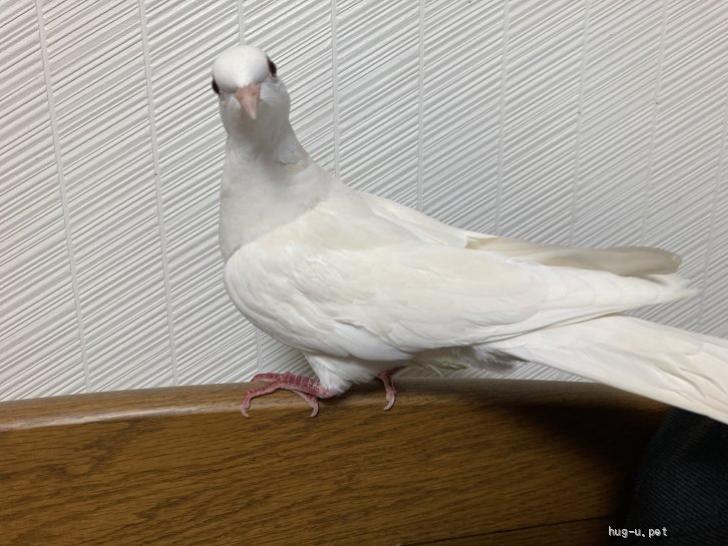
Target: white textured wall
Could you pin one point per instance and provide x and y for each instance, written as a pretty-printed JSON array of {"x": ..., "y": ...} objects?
[{"x": 586, "y": 122}]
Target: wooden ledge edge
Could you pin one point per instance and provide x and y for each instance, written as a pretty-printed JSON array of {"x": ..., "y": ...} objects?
[{"x": 171, "y": 401}]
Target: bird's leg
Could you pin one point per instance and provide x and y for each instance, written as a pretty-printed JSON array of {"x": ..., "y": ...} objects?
[
  {"x": 389, "y": 389},
  {"x": 308, "y": 388}
]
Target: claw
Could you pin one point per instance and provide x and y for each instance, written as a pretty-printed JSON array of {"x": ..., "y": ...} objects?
[
  {"x": 254, "y": 393},
  {"x": 311, "y": 401}
]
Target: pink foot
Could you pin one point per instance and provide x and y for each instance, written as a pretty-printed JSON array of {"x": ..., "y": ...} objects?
[
  {"x": 390, "y": 390},
  {"x": 306, "y": 387}
]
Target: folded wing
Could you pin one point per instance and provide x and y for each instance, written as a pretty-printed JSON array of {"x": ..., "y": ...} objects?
[{"x": 379, "y": 299}]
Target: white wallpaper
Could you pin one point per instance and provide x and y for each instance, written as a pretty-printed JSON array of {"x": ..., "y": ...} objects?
[{"x": 590, "y": 122}]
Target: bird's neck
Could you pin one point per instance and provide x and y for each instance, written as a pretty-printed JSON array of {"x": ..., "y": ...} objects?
[
  {"x": 271, "y": 139},
  {"x": 268, "y": 181}
]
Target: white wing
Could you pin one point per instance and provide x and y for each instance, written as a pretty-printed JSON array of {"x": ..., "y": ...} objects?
[{"x": 341, "y": 280}]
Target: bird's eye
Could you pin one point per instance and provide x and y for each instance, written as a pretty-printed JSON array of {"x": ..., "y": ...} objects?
[
  {"x": 272, "y": 67},
  {"x": 215, "y": 88}
]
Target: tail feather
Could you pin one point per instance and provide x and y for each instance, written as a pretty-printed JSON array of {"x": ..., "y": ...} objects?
[{"x": 674, "y": 366}]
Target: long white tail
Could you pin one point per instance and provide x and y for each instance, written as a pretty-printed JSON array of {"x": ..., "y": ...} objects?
[{"x": 674, "y": 366}]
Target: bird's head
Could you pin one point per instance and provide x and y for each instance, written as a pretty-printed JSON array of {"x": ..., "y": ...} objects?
[{"x": 250, "y": 92}]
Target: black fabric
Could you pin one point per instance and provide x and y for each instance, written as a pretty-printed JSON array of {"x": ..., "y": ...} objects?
[{"x": 682, "y": 484}]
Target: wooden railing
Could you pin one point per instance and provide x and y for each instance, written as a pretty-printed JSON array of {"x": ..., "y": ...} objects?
[{"x": 482, "y": 462}]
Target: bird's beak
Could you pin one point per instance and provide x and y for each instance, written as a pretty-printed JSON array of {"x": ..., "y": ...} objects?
[{"x": 248, "y": 97}]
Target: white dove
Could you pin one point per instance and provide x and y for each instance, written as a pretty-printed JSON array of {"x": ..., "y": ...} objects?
[{"x": 364, "y": 286}]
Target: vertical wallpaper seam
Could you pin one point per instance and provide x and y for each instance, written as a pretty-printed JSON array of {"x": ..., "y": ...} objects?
[
  {"x": 716, "y": 194},
  {"x": 258, "y": 349},
  {"x": 501, "y": 112},
  {"x": 653, "y": 125},
  {"x": 335, "y": 85},
  {"x": 158, "y": 191},
  {"x": 420, "y": 100},
  {"x": 241, "y": 21},
  {"x": 578, "y": 144},
  {"x": 62, "y": 191}
]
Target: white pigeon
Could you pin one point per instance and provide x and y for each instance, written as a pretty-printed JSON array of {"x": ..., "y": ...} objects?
[{"x": 364, "y": 286}]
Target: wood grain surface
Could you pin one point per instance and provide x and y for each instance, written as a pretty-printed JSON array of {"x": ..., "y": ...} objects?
[{"x": 487, "y": 461}]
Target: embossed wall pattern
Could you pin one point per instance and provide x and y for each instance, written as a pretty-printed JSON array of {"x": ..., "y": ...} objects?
[{"x": 594, "y": 122}]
